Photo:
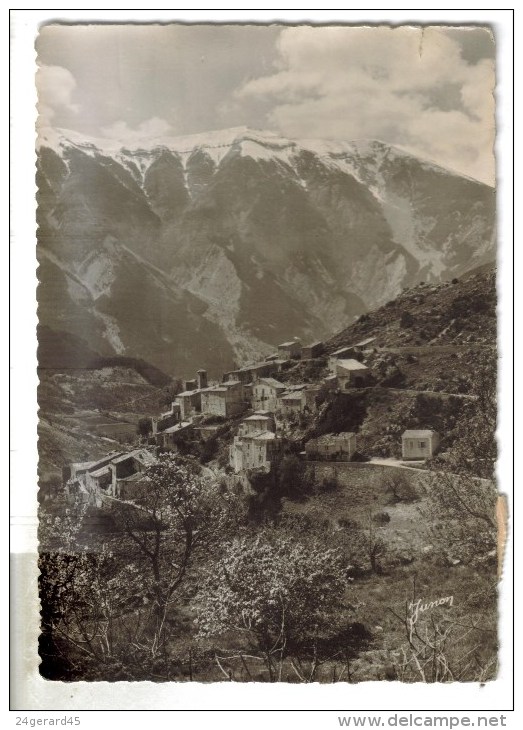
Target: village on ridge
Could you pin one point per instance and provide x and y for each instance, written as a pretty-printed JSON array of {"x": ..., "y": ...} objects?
[{"x": 266, "y": 404}]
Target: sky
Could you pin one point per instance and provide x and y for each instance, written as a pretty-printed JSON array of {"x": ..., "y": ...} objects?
[{"x": 428, "y": 90}]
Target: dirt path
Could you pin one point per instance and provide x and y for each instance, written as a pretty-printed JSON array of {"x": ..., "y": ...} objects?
[
  {"x": 466, "y": 396},
  {"x": 389, "y": 461}
]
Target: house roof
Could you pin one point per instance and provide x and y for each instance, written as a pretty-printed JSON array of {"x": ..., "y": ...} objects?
[
  {"x": 291, "y": 396},
  {"x": 290, "y": 344},
  {"x": 364, "y": 342},
  {"x": 259, "y": 436},
  {"x": 177, "y": 427},
  {"x": 124, "y": 457},
  {"x": 341, "y": 350},
  {"x": 257, "y": 417},
  {"x": 415, "y": 433},
  {"x": 100, "y": 462},
  {"x": 265, "y": 436},
  {"x": 140, "y": 454},
  {"x": 83, "y": 465},
  {"x": 101, "y": 472},
  {"x": 272, "y": 382},
  {"x": 352, "y": 365},
  {"x": 260, "y": 365},
  {"x": 136, "y": 477},
  {"x": 187, "y": 393},
  {"x": 331, "y": 438},
  {"x": 313, "y": 344}
]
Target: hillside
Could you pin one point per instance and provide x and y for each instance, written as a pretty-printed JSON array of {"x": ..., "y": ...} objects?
[
  {"x": 137, "y": 246},
  {"x": 89, "y": 404},
  {"x": 431, "y": 348}
]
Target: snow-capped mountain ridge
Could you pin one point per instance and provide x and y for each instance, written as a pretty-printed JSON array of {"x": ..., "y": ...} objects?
[{"x": 217, "y": 143}]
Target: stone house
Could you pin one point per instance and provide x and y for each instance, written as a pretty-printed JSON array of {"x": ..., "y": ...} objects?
[
  {"x": 100, "y": 479},
  {"x": 352, "y": 374},
  {"x": 311, "y": 394},
  {"x": 91, "y": 480},
  {"x": 224, "y": 400},
  {"x": 170, "y": 439},
  {"x": 347, "y": 352},
  {"x": 77, "y": 470},
  {"x": 190, "y": 402},
  {"x": 311, "y": 351},
  {"x": 260, "y": 421},
  {"x": 127, "y": 469},
  {"x": 291, "y": 402},
  {"x": 290, "y": 350},
  {"x": 419, "y": 443},
  {"x": 332, "y": 447},
  {"x": 296, "y": 399},
  {"x": 339, "y": 354},
  {"x": 265, "y": 392},
  {"x": 330, "y": 382},
  {"x": 167, "y": 419},
  {"x": 250, "y": 373},
  {"x": 81, "y": 478},
  {"x": 255, "y": 445}
]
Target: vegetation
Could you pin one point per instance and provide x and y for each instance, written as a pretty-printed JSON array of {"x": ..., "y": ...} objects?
[
  {"x": 144, "y": 427},
  {"x": 301, "y": 574},
  {"x": 281, "y": 597}
]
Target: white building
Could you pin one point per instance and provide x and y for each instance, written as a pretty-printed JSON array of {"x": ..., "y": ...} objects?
[
  {"x": 332, "y": 447},
  {"x": 265, "y": 392},
  {"x": 351, "y": 374},
  {"x": 419, "y": 443},
  {"x": 255, "y": 445}
]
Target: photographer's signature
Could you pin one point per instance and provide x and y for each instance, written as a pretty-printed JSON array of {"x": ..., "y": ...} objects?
[{"x": 416, "y": 608}]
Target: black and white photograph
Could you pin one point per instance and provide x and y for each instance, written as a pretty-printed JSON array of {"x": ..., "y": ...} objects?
[{"x": 268, "y": 358}]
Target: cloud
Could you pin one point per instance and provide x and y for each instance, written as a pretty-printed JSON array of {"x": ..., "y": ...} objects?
[
  {"x": 56, "y": 86},
  {"x": 153, "y": 127},
  {"x": 402, "y": 85}
]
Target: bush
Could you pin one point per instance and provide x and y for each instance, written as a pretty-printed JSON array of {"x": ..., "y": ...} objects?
[
  {"x": 327, "y": 485},
  {"x": 406, "y": 320},
  {"x": 209, "y": 449},
  {"x": 381, "y": 518},
  {"x": 144, "y": 427},
  {"x": 401, "y": 488},
  {"x": 348, "y": 524}
]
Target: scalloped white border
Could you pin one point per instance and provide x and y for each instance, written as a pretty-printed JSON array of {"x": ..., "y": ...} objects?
[{"x": 29, "y": 691}]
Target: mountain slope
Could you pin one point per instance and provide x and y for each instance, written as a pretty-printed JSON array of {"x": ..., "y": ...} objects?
[{"x": 211, "y": 249}]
